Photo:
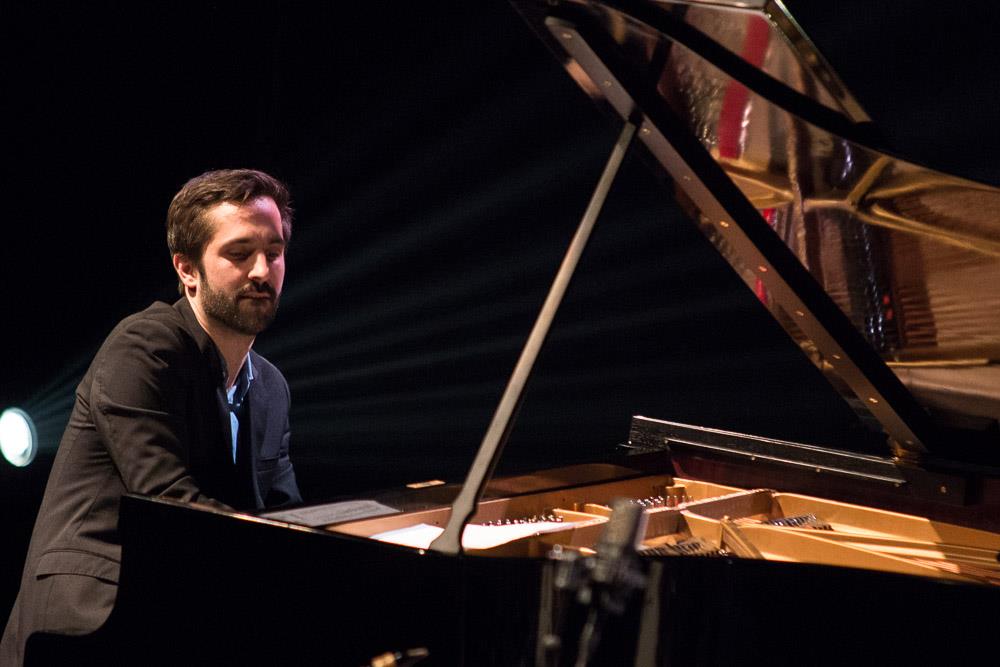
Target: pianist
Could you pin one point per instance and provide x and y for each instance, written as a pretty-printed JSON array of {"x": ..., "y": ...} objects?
[{"x": 175, "y": 404}]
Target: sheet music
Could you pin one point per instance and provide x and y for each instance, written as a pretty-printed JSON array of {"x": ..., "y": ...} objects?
[
  {"x": 322, "y": 515},
  {"x": 475, "y": 536}
]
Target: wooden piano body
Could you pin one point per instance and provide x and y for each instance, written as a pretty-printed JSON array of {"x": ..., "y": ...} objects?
[
  {"x": 193, "y": 590},
  {"x": 884, "y": 272}
]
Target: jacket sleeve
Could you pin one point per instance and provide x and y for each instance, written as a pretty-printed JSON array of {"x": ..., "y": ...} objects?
[{"x": 138, "y": 406}]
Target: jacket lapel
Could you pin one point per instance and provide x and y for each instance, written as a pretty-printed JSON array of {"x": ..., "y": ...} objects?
[
  {"x": 217, "y": 367},
  {"x": 258, "y": 397}
]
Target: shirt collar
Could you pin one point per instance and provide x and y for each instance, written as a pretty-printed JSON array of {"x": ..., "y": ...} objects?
[
  {"x": 238, "y": 392},
  {"x": 208, "y": 348}
]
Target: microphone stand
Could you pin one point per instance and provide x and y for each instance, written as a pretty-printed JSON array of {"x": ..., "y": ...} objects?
[{"x": 603, "y": 584}]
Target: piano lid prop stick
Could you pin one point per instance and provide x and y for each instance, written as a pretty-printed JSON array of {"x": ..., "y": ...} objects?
[{"x": 450, "y": 541}]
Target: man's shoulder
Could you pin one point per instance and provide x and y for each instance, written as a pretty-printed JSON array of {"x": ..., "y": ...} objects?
[
  {"x": 264, "y": 369},
  {"x": 154, "y": 342},
  {"x": 158, "y": 311},
  {"x": 156, "y": 315},
  {"x": 159, "y": 324}
]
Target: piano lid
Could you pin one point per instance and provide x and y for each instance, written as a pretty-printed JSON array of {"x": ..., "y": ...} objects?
[{"x": 774, "y": 158}]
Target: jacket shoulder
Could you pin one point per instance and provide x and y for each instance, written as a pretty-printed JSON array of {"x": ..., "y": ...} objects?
[
  {"x": 158, "y": 315},
  {"x": 155, "y": 336},
  {"x": 263, "y": 368},
  {"x": 160, "y": 322}
]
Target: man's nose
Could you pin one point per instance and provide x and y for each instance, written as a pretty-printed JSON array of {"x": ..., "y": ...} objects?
[{"x": 260, "y": 268}]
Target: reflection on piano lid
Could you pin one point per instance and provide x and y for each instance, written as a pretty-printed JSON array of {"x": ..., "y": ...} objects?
[{"x": 883, "y": 271}]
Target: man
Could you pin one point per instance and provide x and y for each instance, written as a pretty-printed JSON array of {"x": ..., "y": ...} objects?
[{"x": 175, "y": 404}]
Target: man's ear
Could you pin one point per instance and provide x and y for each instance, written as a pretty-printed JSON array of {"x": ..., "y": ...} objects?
[{"x": 187, "y": 272}]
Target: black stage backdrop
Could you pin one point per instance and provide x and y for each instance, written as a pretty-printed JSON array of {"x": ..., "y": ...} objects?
[{"x": 439, "y": 159}]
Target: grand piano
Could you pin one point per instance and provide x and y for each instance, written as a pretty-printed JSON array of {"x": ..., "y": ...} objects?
[{"x": 723, "y": 548}]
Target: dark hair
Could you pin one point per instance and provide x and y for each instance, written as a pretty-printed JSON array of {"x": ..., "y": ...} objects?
[{"x": 188, "y": 229}]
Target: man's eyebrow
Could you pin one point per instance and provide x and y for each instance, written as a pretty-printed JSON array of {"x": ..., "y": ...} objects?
[{"x": 246, "y": 240}]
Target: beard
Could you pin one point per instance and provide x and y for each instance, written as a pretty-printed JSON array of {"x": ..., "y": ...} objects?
[{"x": 240, "y": 311}]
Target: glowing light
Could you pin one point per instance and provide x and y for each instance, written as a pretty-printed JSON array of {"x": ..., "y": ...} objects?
[{"x": 18, "y": 440}]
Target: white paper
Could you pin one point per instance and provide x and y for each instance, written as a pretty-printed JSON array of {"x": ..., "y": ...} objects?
[
  {"x": 475, "y": 536},
  {"x": 321, "y": 515}
]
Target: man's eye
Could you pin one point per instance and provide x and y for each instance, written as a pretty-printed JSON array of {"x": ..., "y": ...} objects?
[
  {"x": 238, "y": 256},
  {"x": 273, "y": 255}
]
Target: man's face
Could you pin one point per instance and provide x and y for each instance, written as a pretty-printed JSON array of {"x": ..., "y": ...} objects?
[{"x": 243, "y": 267}]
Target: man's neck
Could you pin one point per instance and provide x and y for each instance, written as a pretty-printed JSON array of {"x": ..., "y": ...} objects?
[{"x": 233, "y": 345}]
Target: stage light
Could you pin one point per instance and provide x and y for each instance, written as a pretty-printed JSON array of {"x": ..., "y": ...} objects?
[{"x": 18, "y": 439}]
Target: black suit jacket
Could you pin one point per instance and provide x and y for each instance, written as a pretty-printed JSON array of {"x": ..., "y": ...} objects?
[{"x": 150, "y": 417}]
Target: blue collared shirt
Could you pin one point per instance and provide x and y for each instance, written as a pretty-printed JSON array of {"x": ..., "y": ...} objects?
[{"x": 236, "y": 395}]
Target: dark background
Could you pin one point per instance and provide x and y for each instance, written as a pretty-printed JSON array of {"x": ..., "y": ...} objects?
[{"x": 439, "y": 159}]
